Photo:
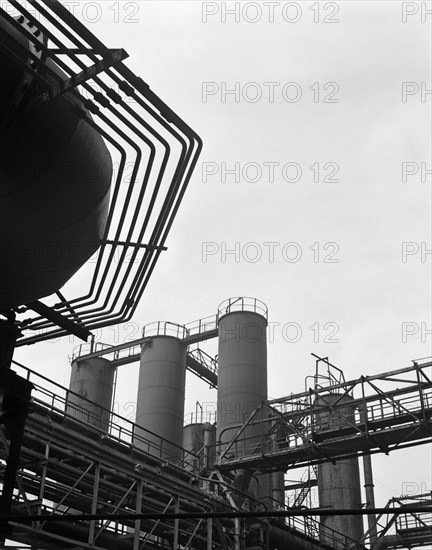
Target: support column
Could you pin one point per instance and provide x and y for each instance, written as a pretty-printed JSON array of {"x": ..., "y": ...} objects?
[
  {"x": 15, "y": 394},
  {"x": 209, "y": 533},
  {"x": 92, "y": 529},
  {"x": 370, "y": 498},
  {"x": 176, "y": 523},
  {"x": 136, "y": 543},
  {"x": 8, "y": 337},
  {"x": 339, "y": 483},
  {"x": 42, "y": 481}
]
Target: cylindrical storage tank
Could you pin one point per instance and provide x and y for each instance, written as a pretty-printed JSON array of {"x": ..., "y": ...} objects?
[
  {"x": 242, "y": 373},
  {"x": 92, "y": 381},
  {"x": 278, "y": 489},
  {"x": 161, "y": 394},
  {"x": 55, "y": 177},
  {"x": 193, "y": 442},
  {"x": 269, "y": 488},
  {"x": 200, "y": 439},
  {"x": 209, "y": 445},
  {"x": 339, "y": 484},
  {"x": 272, "y": 485},
  {"x": 278, "y": 480}
]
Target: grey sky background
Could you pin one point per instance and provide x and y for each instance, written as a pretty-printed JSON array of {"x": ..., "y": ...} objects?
[{"x": 365, "y": 299}]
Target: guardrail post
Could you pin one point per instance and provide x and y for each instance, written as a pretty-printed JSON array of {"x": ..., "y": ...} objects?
[
  {"x": 136, "y": 543},
  {"x": 176, "y": 523}
]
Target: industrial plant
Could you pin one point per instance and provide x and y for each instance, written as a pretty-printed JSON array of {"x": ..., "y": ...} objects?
[{"x": 76, "y": 474}]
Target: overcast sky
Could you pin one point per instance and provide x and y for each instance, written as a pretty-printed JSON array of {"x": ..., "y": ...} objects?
[{"x": 313, "y": 173}]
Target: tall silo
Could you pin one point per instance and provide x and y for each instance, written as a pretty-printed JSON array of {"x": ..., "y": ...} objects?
[
  {"x": 91, "y": 385},
  {"x": 242, "y": 377},
  {"x": 278, "y": 489},
  {"x": 161, "y": 391},
  {"x": 339, "y": 484},
  {"x": 53, "y": 207}
]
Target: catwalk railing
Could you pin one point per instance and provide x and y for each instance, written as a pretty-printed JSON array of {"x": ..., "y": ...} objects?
[
  {"x": 367, "y": 416},
  {"x": 194, "y": 332},
  {"x": 68, "y": 466},
  {"x": 198, "y": 361},
  {"x": 404, "y": 530},
  {"x": 54, "y": 399}
]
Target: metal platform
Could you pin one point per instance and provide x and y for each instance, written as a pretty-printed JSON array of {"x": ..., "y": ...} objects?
[{"x": 291, "y": 436}]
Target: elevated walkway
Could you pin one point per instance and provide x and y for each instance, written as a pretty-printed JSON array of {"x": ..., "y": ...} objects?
[
  {"x": 70, "y": 467},
  {"x": 294, "y": 434},
  {"x": 191, "y": 333}
]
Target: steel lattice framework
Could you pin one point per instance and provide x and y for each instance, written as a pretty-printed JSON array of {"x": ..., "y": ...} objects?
[
  {"x": 411, "y": 529},
  {"x": 69, "y": 466},
  {"x": 291, "y": 435}
]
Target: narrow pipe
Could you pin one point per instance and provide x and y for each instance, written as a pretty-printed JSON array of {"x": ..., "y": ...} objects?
[{"x": 370, "y": 497}]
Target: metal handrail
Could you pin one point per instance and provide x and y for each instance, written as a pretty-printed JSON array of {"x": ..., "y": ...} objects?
[
  {"x": 89, "y": 347},
  {"x": 203, "y": 325},
  {"x": 380, "y": 411},
  {"x": 409, "y": 404},
  {"x": 119, "y": 428},
  {"x": 165, "y": 328},
  {"x": 413, "y": 521},
  {"x": 242, "y": 303},
  {"x": 200, "y": 417}
]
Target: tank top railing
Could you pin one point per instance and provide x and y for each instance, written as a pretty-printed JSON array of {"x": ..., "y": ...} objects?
[
  {"x": 92, "y": 347},
  {"x": 200, "y": 417},
  {"x": 243, "y": 303},
  {"x": 165, "y": 328},
  {"x": 129, "y": 353},
  {"x": 191, "y": 333}
]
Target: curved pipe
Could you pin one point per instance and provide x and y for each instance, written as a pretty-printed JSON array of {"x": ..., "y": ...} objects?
[
  {"x": 120, "y": 305},
  {"x": 183, "y": 160}
]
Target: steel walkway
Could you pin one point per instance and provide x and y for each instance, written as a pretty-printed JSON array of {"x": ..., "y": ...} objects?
[
  {"x": 197, "y": 361},
  {"x": 68, "y": 466},
  {"x": 291, "y": 434}
]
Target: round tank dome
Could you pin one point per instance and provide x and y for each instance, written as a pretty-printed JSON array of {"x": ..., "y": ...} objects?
[{"x": 55, "y": 176}]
